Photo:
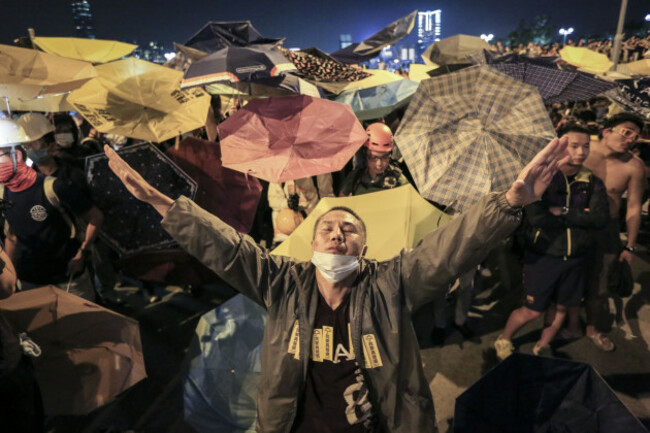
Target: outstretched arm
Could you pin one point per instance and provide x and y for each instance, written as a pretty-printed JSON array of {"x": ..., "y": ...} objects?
[
  {"x": 450, "y": 251},
  {"x": 136, "y": 184}
]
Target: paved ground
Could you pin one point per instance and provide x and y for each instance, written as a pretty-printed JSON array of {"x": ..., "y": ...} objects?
[{"x": 167, "y": 326}]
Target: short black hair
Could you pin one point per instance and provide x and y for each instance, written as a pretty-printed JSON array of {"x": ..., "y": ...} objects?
[
  {"x": 619, "y": 118},
  {"x": 344, "y": 209},
  {"x": 572, "y": 127}
]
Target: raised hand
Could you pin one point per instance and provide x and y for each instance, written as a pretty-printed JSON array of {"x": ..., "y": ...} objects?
[
  {"x": 135, "y": 184},
  {"x": 535, "y": 177}
]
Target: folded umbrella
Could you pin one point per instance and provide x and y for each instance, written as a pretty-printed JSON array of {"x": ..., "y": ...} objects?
[
  {"x": 528, "y": 393},
  {"x": 234, "y": 64},
  {"x": 468, "y": 133},
  {"x": 89, "y": 354},
  {"x": 290, "y": 137},
  {"x": 26, "y": 73},
  {"x": 379, "y": 101},
  {"x": 142, "y": 100},
  {"x": 224, "y": 368},
  {"x": 395, "y": 219},
  {"x": 130, "y": 225},
  {"x": 89, "y": 50}
]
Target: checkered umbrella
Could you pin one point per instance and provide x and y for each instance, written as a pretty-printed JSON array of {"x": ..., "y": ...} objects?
[
  {"x": 556, "y": 85},
  {"x": 471, "y": 132}
]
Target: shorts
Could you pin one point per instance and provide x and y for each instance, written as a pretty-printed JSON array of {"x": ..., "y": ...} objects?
[{"x": 553, "y": 279}]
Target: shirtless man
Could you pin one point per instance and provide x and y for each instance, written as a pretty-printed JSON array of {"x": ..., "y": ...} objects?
[{"x": 610, "y": 159}]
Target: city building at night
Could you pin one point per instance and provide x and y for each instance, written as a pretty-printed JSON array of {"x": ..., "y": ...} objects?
[
  {"x": 83, "y": 19},
  {"x": 153, "y": 52},
  {"x": 429, "y": 25}
]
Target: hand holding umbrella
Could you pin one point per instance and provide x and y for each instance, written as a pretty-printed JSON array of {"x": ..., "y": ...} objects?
[
  {"x": 136, "y": 184},
  {"x": 537, "y": 174}
]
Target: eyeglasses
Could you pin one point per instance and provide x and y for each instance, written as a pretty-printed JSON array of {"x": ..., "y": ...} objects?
[
  {"x": 626, "y": 132},
  {"x": 383, "y": 158}
]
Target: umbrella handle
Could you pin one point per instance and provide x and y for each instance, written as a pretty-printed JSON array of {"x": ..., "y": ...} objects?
[{"x": 67, "y": 288}]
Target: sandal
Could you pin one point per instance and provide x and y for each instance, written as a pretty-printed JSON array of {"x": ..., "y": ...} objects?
[{"x": 602, "y": 342}]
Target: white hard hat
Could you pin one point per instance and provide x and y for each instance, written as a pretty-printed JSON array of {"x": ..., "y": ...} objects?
[
  {"x": 11, "y": 133},
  {"x": 35, "y": 125}
]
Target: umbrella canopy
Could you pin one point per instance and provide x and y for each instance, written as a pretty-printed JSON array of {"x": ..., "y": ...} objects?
[
  {"x": 26, "y": 73},
  {"x": 233, "y": 64},
  {"x": 89, "y": 50},
  {"x": 189, "y": 52},
  {"x": 142, "y": 100},
  {"x": 640, "y": 67},
  {"x": 633, "y": 95},
  {"x": 217, "y": 35},
  {"x": 374, "y": 77},
  {"x": 283, "y": 85},
  {"x": 228, "y": 194},
  {"x": 556, "y": 85},
  {"x": 370, "y": 47},
  {"x": 395, "y": 219},
  {"x": 290, "y": 137},
  {"x": 418, "y": 72},
  {"x": 224, "y": 367},
  {"x": 528, "y": 393},
  {"x": 586, "y": 59},
  {"x": 379, "y": 101},
  {"x": 470, "y": 132},
  {"x": 89, "y": 354},
  {"x": 130, "y": 225},
  {"x": 453, "y": 50},
  {"x": 46, "y": 103},
  {"x": 317, "y": 68}
]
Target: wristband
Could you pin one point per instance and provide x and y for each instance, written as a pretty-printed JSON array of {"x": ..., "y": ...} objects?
[{"x": 630, "y": 249}]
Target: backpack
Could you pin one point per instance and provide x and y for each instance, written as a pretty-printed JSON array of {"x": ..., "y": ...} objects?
[{"x": 48, "y": 187}]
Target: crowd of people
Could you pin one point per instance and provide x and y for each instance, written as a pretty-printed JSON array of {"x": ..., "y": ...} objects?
[
  {"x": 571, "y": 197},
  {"x": 633, "y": 48}
]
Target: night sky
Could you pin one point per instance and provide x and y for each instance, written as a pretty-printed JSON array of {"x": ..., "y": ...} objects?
[{"x": 304, "y": 23}]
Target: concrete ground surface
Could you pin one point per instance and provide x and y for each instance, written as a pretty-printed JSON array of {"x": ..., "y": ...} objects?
[{"x": 155, "y": 405}]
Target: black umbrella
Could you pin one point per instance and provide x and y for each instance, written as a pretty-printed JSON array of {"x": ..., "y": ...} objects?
[
  {"x": 234, "y": 64},
  {"x": 633, "y": 95},
  {"x": 131, "y": 225},
  {"x": 369, "y": 48},
  {"x": 528, "y": 393},
  {"x": 217, "y": 35}
]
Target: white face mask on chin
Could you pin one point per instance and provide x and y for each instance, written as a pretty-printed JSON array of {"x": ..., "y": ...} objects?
[{"x": 335, "y": 267}]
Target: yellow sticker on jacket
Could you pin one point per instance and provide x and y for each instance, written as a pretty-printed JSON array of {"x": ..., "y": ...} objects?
[
  {"x": 294, "y": 341},
  {"x": 317, "y": 345},
  {"x": 328, "y": 342},
  {"x": 371, "y": 352},
  {"x": 350, "y": 341}
]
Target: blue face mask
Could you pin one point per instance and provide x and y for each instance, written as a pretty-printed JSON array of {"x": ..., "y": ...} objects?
[{"x": 39, "y": 156}]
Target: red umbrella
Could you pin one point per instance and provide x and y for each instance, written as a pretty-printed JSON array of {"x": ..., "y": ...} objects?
[
  {"x": 228, "y": 194},
  {"x": 284, "y": 138}
]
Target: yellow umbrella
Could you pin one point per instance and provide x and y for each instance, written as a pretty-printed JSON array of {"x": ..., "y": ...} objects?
[
  {"x": 45, "y": 103},
  {"x": 376, "y": 78},
  {"x": 395, "y": 219},
  {"x": 89, "y": 50},
  {"x": 26, "y": 73},
  {"x": 640, "y": 67},
  {"x": 418, "y": 72},
  {"x": 586, "y": 59},
  {"x": 139, "y": 99}
]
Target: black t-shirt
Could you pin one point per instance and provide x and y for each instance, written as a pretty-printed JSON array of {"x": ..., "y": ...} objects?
[
  {"x": 44, "y": 244},
  {"x": 336, "y": 395}
]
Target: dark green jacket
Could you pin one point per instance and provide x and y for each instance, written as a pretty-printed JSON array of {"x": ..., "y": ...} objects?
[{"x": 381, "y": 303}]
